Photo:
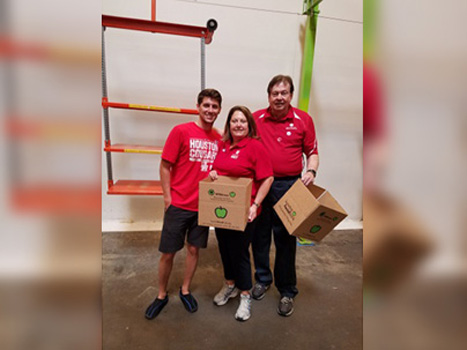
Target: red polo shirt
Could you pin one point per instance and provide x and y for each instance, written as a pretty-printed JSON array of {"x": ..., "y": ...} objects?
[
  {"x": 248, "y": 158},
  {"x": 373, "y": 116},
  {"x": 191, "y": 150},
  {"x": 287, "y": 139}
]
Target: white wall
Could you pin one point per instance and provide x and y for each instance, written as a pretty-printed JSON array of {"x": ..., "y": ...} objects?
[{"x": 255, "y": 40}]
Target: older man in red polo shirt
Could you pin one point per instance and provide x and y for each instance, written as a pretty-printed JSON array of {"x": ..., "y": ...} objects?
[{"x": 287, "y": 133}]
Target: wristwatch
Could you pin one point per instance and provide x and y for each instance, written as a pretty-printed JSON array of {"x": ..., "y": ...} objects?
[
  {"x": 312, "y": 171},
  {"x": 257, "y": 205}
]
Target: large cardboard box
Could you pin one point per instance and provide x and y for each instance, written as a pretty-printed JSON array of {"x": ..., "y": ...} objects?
[
  {"x": 394, "y": 242},
  {"x": 309, "y": 212},
  {"x": 224, "y": 203}
]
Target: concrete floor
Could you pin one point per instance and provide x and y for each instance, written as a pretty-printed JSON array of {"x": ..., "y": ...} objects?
[{"x": 328, "y": 309}]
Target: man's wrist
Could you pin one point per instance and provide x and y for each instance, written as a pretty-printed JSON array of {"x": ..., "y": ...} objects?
[{"x": 313, "y": 171}]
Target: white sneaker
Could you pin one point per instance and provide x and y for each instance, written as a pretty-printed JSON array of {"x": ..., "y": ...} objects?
[
  {"x": 244, "y": 309},
  {"x": 225, "y": 294}
]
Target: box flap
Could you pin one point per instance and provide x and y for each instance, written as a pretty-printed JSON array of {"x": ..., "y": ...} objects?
[
  {"x": 328, "y": 201},
  {"x": 316, "y": 191},
  {"x": 304, "y": 202}
]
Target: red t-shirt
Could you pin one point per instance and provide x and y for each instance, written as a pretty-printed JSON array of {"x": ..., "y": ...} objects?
[
  {"x": 191, "y": 150},
  {"x": 287, "y": 139},
  {"x": 248, "y": 158}
]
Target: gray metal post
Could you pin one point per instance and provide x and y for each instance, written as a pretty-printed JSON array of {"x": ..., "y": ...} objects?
[
  {"x": 203, "y": 64},
  {"x": 106, "y": 111}
]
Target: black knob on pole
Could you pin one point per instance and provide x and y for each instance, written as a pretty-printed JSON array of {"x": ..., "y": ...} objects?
[{"x": 211, "y": 25}]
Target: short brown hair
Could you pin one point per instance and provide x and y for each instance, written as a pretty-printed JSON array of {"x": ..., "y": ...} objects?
[
  {"x": 281, "y": 79},
  {"x": 249, "y": 117},
  {"x": 212, "y": 93}
]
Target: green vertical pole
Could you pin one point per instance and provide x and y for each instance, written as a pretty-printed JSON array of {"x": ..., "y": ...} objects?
[
  {"x": 311, "y": 9},
  {"x": 370, "y": 12},
  {"x": 307, "y": 60}
]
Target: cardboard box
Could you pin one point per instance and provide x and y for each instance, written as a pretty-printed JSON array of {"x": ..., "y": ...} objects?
[
  {"x": 224, "y": 203},
  {"x": 309, "y": 212},
  {"x": 395, "y": 241}
]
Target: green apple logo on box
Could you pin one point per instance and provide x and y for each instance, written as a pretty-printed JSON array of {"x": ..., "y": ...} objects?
[
  {"x": 211, "y": 192},
  {"x": 232, "y": 194},
  {"x": 220, "y": 212},
  {"x": 315, "y": 229}
]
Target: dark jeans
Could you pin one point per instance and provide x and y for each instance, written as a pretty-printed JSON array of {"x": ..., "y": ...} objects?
[
  {"x": 235, "y": 255},
  {"x": 285, "y": 278}
]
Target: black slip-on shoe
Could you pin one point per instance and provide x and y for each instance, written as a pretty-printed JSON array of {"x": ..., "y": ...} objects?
[
  {"x": 190, "y": 303},
  {"x": 156, "y": 307}
]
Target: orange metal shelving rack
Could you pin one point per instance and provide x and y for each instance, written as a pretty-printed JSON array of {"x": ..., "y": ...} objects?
[
  {"x": 144, "y": 187},
  {"x": 44, "y": 196}
]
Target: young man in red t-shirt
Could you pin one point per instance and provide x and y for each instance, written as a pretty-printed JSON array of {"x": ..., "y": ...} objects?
[
  {"x": 287, "y": 133},
  {"x": 187, "y": 158}
]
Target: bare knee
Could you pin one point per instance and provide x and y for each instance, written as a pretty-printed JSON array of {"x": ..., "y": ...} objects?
[
  {"x": 167, "y": 257},
  {"x": 192, "y": 250}
]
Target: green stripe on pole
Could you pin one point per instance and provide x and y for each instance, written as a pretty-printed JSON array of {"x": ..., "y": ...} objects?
[
  {"x": 307, "y": 61},
  {"x": 370, "y": 13}
]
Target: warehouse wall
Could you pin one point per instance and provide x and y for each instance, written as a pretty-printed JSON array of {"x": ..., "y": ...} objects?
[{"x": 255, "y": 40}]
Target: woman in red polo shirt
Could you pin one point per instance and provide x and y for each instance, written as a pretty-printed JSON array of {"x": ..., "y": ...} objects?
[{"x": 241, "y": 154}]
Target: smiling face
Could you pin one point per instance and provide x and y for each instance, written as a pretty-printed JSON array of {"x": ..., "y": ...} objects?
[
  {"x": 238, "y": 126},
  {"x": 208, "y": 110},
  {"x": 279, "y": 99}
]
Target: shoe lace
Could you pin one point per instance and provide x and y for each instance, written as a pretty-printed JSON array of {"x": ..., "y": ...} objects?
[
  {"x": 226, "y": 290},
  {"x": 286, "y": 300},
  {"x": 245, "y": 302}
]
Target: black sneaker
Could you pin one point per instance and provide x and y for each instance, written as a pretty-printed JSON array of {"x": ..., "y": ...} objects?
[
  {"x": 285, "y": 307},
  {"x": 190, "y": 303},
  {"x": 156, "y": 307},
  {"x": 259, "y": 291}
]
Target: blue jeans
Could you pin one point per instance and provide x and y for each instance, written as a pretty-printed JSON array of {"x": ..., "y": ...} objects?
[{"x": 285, "y": 277}]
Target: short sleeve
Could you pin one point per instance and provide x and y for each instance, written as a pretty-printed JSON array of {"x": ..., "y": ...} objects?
[
  {"x": 310, "y": 142},
  {"x": 172, "y": 145}
]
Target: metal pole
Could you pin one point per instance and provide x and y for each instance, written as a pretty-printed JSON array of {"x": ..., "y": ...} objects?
[
  {"x": 153, "y": 10},
  {"x": 307, "y": 60},
  {"x": 308, "y": 5},
  {"x": 316, "y": 3},
  {"x": 203, "y": 64},
  {"x": 106, "y": 112},
  {"x": 10, "y": 97}
]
